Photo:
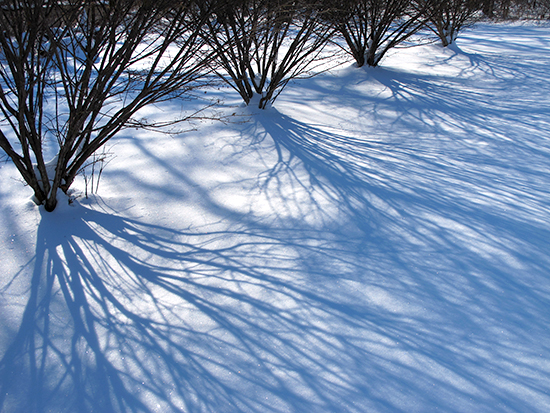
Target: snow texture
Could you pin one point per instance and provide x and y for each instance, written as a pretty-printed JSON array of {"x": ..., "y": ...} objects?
[{"x": 377, "y": 241}]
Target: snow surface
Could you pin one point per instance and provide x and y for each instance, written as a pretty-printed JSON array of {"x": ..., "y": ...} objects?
[{"x": 378, "y": 241}]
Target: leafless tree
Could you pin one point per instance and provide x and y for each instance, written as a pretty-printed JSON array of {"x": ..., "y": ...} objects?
[
  {"x": 529, "y": 9},
  {"x": 516, "y": 9},
  {"x": 74, "y": 73},
  {"x": 372, "y": 27},
  {"x": 448, "y": 17},
  {"x": 260, "y": 45}
]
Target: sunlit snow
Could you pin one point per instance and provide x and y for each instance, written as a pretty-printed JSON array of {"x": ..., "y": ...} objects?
[{"x": 377, "y": 241}]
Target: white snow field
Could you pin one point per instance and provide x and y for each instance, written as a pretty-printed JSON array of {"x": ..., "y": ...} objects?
[{"x": 377, "y": 241}]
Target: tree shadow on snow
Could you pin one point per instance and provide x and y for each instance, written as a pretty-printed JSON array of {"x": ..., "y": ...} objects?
[
  {"x": 253, "y": 320},
  {"x": 426, "y": 290},
  {"x": 180, "y": 324},
  {"x": 456, "y": 219}
]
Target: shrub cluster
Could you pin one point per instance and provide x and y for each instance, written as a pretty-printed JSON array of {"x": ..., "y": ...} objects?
[{"x": 73, "y": 73}]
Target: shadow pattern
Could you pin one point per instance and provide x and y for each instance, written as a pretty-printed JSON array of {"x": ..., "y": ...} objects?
[{"x": 426, "y": 290}]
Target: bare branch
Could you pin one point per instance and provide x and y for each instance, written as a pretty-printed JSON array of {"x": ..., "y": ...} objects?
[
  {"x": 74, "y": 74},
  {"x": 260, "y": 45}
]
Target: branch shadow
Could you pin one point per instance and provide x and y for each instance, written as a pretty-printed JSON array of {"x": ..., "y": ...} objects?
[
  {"x": 465, "y": 205},
  {"x": 175, "y": 323},
  {"x": 419, "y": 284},
  {"x": 125, "y": 316}
]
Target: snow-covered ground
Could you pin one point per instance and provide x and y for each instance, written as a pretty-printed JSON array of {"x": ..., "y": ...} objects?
[{"x": 378, "y": 241}]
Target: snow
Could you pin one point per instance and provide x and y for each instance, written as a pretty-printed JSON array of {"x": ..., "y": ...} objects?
[{"x": 377, "y": 241}]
